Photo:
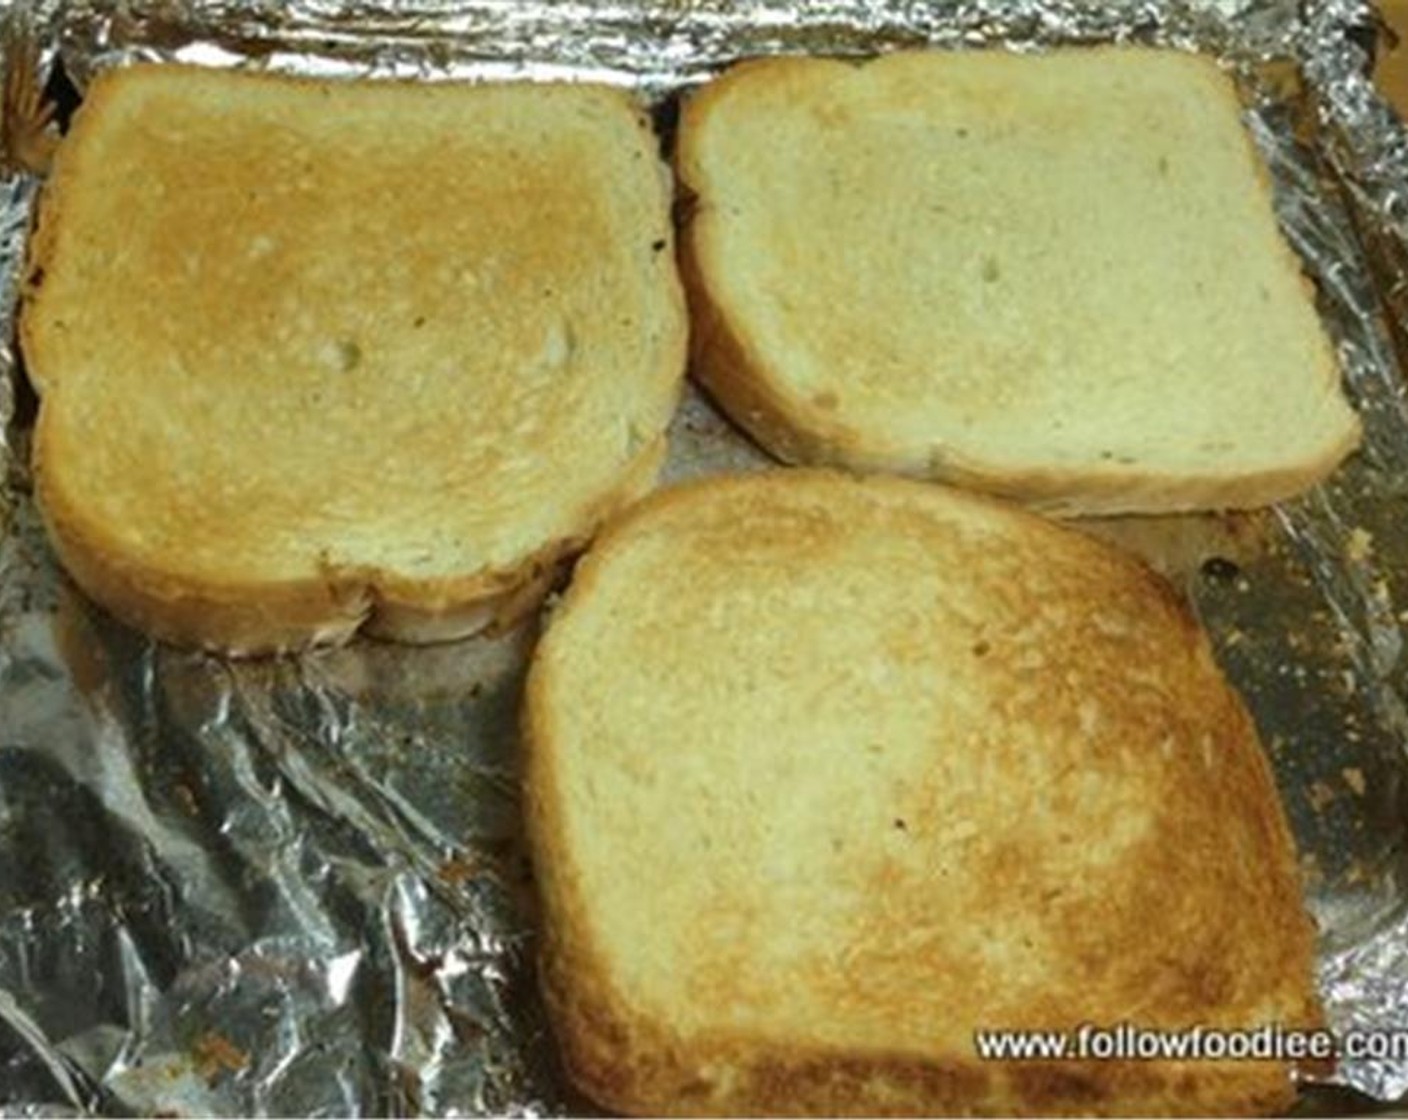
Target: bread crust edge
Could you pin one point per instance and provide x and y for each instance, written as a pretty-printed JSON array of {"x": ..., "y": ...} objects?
[{"x": 258, "y": 617}]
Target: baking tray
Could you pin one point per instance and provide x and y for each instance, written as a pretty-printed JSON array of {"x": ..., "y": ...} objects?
[{"x": 298, "y": 885}]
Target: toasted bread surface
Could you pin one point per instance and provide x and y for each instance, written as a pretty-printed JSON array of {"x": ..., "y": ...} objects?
[
  {"x": 824, "y": 774},
  {"x": 316, "y": 354},
  {"x": 1055, "y": 277}
]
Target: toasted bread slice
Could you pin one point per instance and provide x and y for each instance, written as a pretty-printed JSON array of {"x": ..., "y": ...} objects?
[
  {"x": 1054, "y": 277},
  {"x": 313, "y": 354},
  {"x": 825, "y": 774}
]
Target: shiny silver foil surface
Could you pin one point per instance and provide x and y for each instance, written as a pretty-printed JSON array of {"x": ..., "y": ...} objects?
[{"x": 297, "y": 886}]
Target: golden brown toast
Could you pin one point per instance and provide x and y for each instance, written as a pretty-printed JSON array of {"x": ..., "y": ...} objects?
[
  {"x": 825, "y": 774},
  {"x": 1056, "y": 277},
  {"x": 313, "y": 355}
]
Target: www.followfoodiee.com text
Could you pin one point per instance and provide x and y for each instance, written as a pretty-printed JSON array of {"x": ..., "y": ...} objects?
[{"x": 1130, "y": 1042}]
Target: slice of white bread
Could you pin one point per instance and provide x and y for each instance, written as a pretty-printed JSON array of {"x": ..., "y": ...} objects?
[
  {"x": 826, "y": 773},
  {"x": 314, "y": 354},
  {"x": 1056, "y": 277}
]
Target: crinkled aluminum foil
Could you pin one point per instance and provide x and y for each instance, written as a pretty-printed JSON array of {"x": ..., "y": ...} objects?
[{"x": 297, "y": 886}]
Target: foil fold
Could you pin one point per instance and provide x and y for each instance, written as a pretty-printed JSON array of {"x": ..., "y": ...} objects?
[{"x": 299, "y": 886}]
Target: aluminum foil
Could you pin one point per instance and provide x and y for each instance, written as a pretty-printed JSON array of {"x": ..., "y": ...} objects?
[{"x": 298, "y": 886}]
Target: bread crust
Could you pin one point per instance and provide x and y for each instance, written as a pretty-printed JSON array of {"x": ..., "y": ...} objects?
[
  {"x": 750, "y": 387},
  {"x": 263, "y": 615},
  {"x": 628, "y": 1061}
]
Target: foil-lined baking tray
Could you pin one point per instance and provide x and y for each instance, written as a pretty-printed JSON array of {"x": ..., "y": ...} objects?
[{"x": 297, "y": 886}]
